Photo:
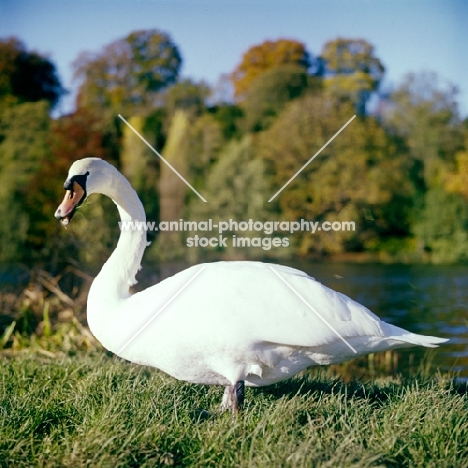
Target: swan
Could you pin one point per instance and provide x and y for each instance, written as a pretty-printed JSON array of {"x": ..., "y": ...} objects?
[{"x": 226, "y": 323}]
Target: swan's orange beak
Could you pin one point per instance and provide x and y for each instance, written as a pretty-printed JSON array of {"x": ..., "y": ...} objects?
[{"x": 73, "y": 198}]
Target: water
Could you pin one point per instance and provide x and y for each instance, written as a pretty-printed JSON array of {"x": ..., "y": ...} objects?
[{"x": 425, "y": 299}]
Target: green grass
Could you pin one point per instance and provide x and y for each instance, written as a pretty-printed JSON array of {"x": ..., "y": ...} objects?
[{"x": 98, "y": 411}]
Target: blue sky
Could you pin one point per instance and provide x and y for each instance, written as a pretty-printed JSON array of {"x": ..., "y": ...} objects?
[{"x": 212, "y": 35}]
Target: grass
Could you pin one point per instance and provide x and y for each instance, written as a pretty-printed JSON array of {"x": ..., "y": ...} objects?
[
  {"x": 65, "y": 402},
  {"x": 95, "y": 410}
]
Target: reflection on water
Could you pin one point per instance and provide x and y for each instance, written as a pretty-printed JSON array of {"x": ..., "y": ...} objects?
[{"x": 425, "y": 299}]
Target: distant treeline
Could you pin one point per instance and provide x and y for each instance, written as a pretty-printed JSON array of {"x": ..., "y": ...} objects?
[{"x": 398, "y": 171}]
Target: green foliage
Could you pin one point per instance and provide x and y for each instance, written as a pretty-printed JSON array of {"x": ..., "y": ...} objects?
[
  {"x": 139, "y": 164},
  {"x": 358, "y": 177},
  {"x": 187, "y": 96},
  {"x": 443, "y": 231},
  {"x": 456, "y": 179},
  {"x": 235, "y": 185},
  {"x": 229, "y": 117},
  {"x": 269, "y": 93},
  {"x": 24, "y": 131},
  {"x": 128, "y": 73},
  {"x": 383, "y": 174},
  {"x": 425, "y": 114},
  {"x": 352, "y": 71},
  {"x": 101, "y": 411},
  {"x": 172, "y": 190},
  {"x": 205, "y": 142},
  {"x": 26, "y": 76},
  {"x": 235, "y": 189},
  {"x": 78, "y": 135}
]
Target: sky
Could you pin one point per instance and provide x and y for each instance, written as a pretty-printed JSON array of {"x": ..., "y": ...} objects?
[{"x": 212, "y": 35}]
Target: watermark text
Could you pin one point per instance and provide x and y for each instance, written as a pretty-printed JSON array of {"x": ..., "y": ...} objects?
[{"x": 233, "y": 233}]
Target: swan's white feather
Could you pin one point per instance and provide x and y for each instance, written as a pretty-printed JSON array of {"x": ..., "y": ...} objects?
[
  {"x": 233, "y": 321},
  {"x": 239, "y": 321}
]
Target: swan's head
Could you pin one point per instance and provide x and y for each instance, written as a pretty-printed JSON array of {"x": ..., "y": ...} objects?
[{"x": 86, "y": 176}]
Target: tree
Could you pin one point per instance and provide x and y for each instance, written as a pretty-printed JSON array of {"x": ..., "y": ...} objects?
[
  {"x": 352, "y": 71},
  {"x": 263, "y": 57},
  {"x": 129, "y": 72},
  {"x": 359, "y": 177},
  {"x": 139, "y": 164},
  {"x": 186, "y": 95},
  {"x": 456, "y": 180},
  {"x": 228, "y": 117},
  {"x": 425, "y": 115},
  {"x": 24, "y": 129},
  {"x": 172, "y": 190},
  {"x": 79, "y": 135},
  {"x": 441, "y": 228},
  {"x": 235, "y": 189},
  {"x": 26, "y": 76},
  {"x": 270, "y": 92}
]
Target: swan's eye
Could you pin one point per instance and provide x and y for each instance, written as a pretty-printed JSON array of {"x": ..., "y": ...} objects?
[{"x": 79, "y": 179}]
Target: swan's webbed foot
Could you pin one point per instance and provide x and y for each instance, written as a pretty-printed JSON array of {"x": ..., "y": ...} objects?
[{"x": 233, "y": 397}]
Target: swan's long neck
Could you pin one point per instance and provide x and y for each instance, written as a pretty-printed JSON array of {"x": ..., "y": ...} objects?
[{"x": 112, "y": 284}]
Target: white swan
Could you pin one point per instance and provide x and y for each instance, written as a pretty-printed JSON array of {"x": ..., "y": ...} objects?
[{"x": 221, "y": 323}]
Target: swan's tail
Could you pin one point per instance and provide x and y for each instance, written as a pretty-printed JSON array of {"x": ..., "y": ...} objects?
[
  {"x": 422, "y": 340},
  {"x": 399, "y": 334}
]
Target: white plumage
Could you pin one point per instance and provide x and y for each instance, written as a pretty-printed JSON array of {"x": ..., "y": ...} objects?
[{"x": 219, "y": 323}]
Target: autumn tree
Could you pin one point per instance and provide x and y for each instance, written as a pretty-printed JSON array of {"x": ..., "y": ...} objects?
[
  {"x": 129, "y": 72},
  {"x": 359, "y": 177},
  {"x": 235, "y": 189},
  {"x": 263, "y": 57},
  {"x": 26, "y": 76},
  {"x": 441, "y": 223},
  {"x": 270, "y": 92},
  {"x": 352, "y": 71},
  {"x": 424, "y": 113},
  {"x": 81, "y": 134},
  {"x": 456, "y": 179},
  {"x": 172, "y": 190},
  {"x": 186, "y": 95}
]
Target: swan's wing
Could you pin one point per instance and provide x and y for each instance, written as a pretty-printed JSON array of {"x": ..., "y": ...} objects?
[
  {"x": 312, "y": 313},
  {"x": 265, "y": 302},
  {"x": 287, "y": 271},
  {"x": 245, "y": 303},
  {"x": 251, "y": 320},
  {"x": 343, "y": 322}
]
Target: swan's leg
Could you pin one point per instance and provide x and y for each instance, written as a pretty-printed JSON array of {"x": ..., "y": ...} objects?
[
  {"x": 238, "y": 396},
  {"x": 226, "y": 401},
  {"x": 233, "y": 397}
]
